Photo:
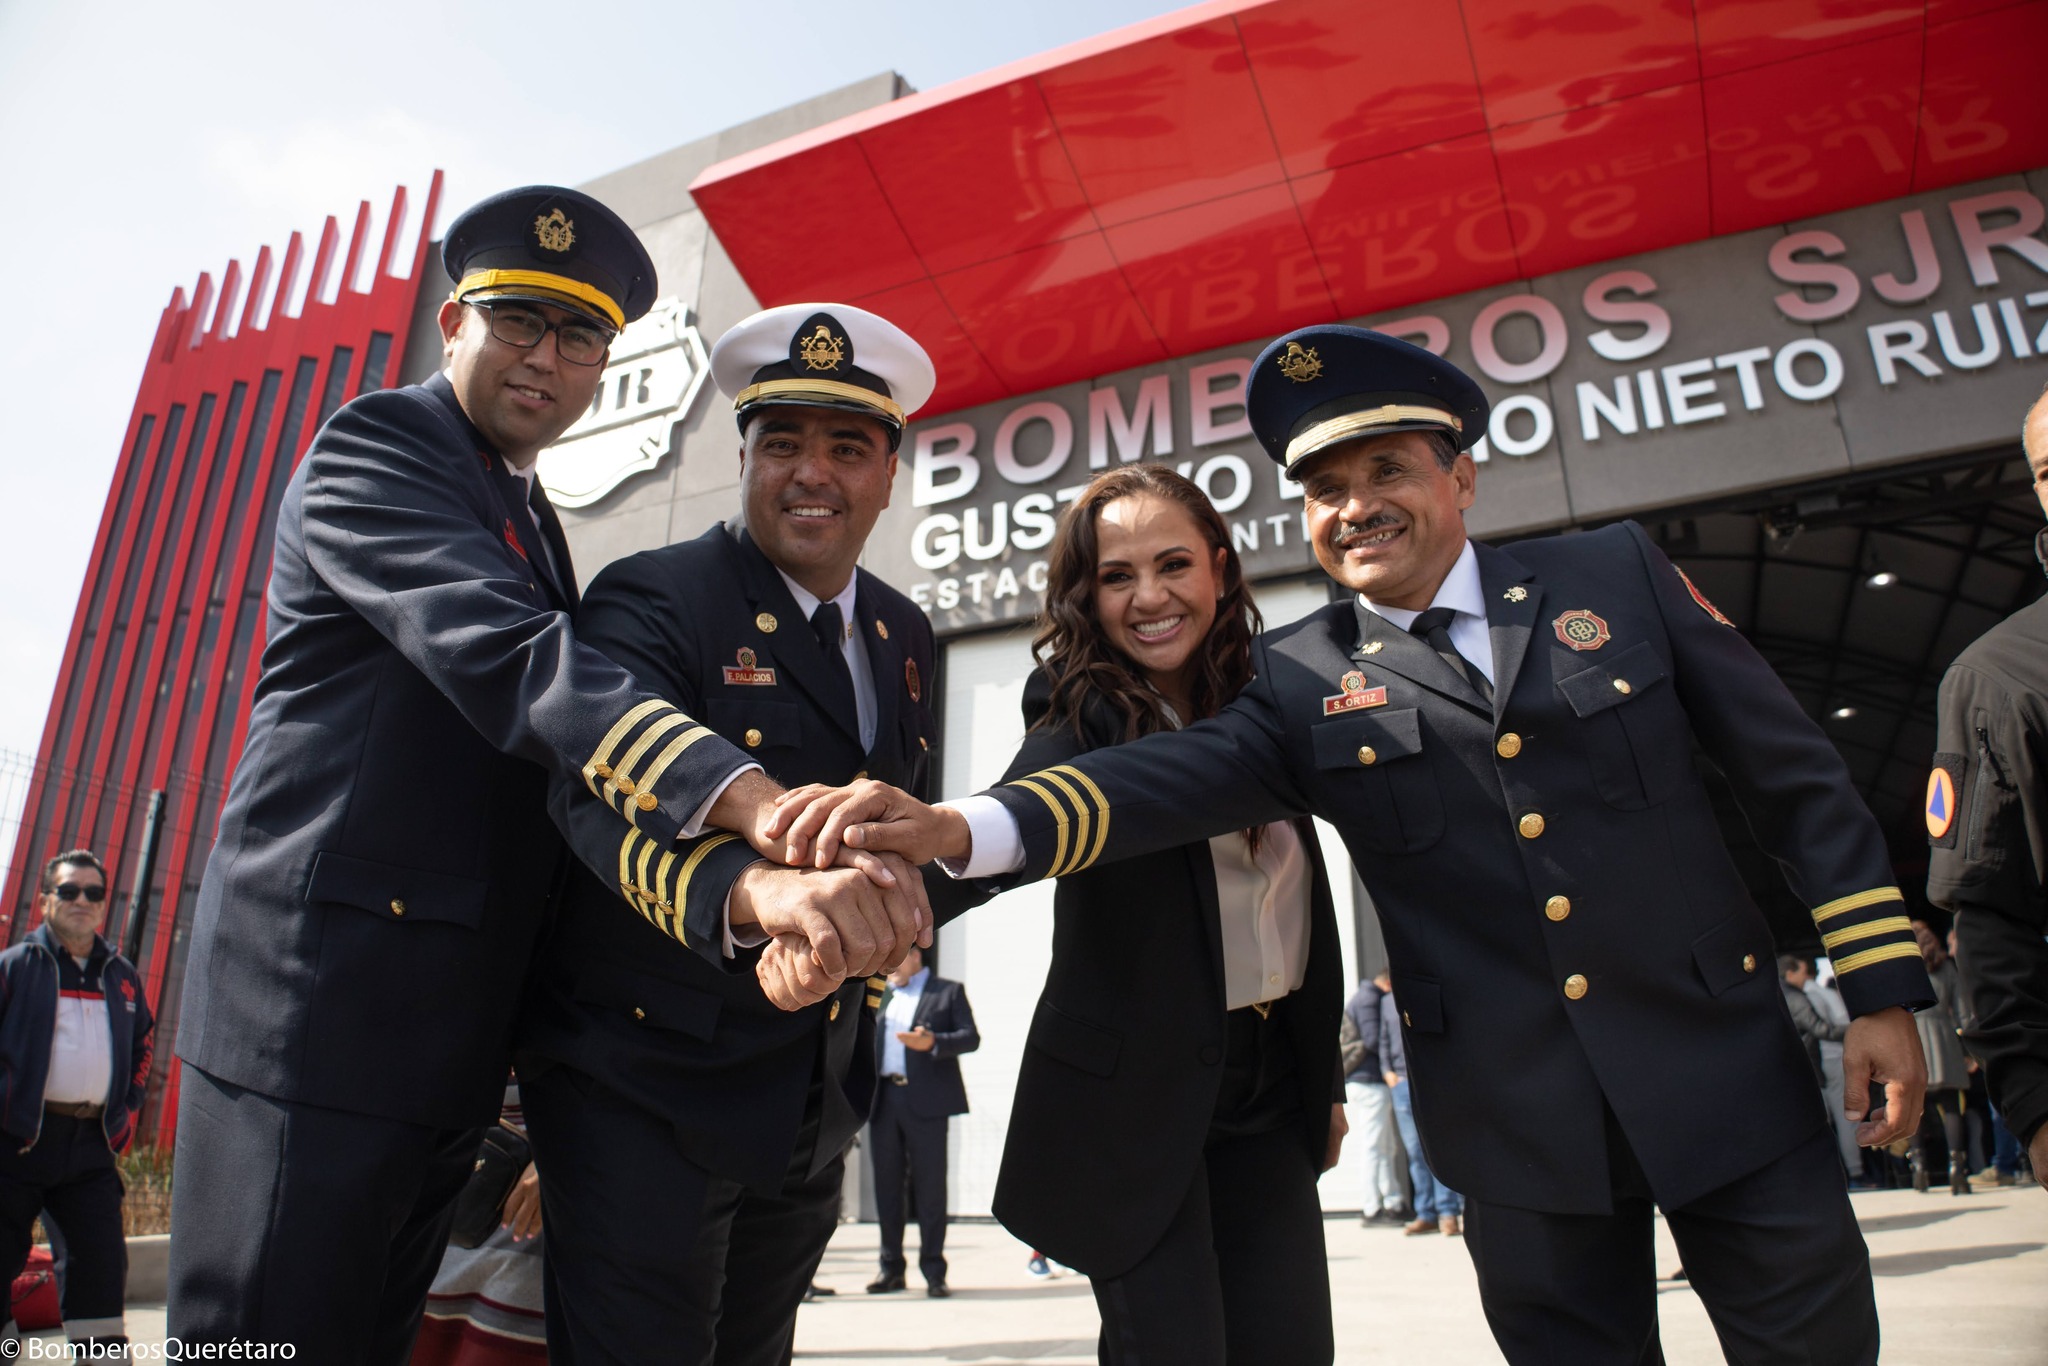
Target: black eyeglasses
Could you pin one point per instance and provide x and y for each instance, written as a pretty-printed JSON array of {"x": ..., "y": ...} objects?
[
  {"x": 71, "y": 891},
  {"x": 576, "y": 343}
]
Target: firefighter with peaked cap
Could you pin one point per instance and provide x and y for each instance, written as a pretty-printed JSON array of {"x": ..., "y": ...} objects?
[
  {"x": 1504, "y": 738},
  {"x": 385, "y": 854}
]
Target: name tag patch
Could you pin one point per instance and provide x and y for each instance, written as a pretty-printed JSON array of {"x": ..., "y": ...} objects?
[
  {"x": 1355, "y": 695},
  {"x": 746, "y": 675}
]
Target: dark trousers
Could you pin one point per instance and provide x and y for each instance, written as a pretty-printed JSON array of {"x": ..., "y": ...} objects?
[
  {"x": 1775, "y": 1257},
  {"x": 1241, "y": 1275},
  {"x": 652, "y": 1258},
  {"x": 70, "y": 1173},
  {"x": 296, "y": 1223},
  {"x": 910, "y": 1161}
]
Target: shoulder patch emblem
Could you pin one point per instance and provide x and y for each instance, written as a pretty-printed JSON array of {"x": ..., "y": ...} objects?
[
  {"x": 1581, "y": 630},
  {"x": 1940, "y": 806},
  {"x": 1701, "y": 598}
]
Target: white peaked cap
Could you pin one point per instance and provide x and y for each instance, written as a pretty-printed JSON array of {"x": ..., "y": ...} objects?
[{"x": 823, "y": 355}]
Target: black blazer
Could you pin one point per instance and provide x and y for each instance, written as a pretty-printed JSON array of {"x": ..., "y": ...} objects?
[
  {"x": 932, "y": 1078},
  {"x": 633, "y": 988},
  {"x": 385, "y": 855},
  {"x": 1123, "y": 1060},
  {"x": 1566, "y": 930}
]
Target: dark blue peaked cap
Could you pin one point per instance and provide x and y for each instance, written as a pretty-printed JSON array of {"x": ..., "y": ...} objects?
[
  {"x": 1319, "y": 386},
  {"x": 554, "y": 245}
]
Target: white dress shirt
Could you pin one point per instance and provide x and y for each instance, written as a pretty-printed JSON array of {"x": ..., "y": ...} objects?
[
  {"x": 81, "y": 1051},
  {"x": 1462, "y": 592},
  {"x": 896, "y": 1019}
]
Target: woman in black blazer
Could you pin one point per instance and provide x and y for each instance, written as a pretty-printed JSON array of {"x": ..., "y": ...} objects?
[{"x": 1161, "y": 1141}]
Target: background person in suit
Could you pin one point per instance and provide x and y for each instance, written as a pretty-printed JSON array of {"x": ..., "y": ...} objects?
[
  {"x": 1504, "y": 740},
  {"x": 653, "y": 1044},
  {"x": 1438, "y": 1208},
  {"x": 926, "y": 1024}
]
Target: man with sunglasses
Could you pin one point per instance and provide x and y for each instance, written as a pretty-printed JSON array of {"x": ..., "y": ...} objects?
[
  {"x": 75, "y": 1033},
  {"x": 386, "y": 854}
]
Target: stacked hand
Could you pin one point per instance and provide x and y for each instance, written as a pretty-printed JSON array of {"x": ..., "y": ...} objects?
[
  {"x": 819, "y": 825},
  {"x": 852, "y": 915}
]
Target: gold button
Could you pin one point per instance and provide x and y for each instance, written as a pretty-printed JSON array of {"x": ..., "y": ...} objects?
[
  {"x": 860, "y": 776},
  {"x": 923, "y": 743},
  {"x": 1749, "y": 962},
  {"x": 397, "y": 906},
  {"x": 833, "y": 1013},
  {"x": 1406, "y": 1021},
  {"x": 1558, "y": 907},
  {"x": 1621, "y": 686},
  {"x": 1368, "y": 755},
  {"x": 625, "y": 786},
  {"x": 647, "y": 801},
  {"x": 753, "y": 738},
  {"x": 882, "y": 629},
  {"x": 766, "y": 622},
  {"x": 638, "y": 1013},
  {"x": 1531, "y": 824},
  {"x": 1575, "y": 986},
  {"x": 1508, "y": 746},
  {"x": 603, "y": 770}
]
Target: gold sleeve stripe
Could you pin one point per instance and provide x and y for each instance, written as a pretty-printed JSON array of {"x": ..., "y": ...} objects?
[
  {"x": 877, "y": 983},
  {"x": 647, "y": 889},
  {"x": 626, "y": 865},
  {"x": 1844, "y": 904},
  {"x": 1869, "y": 929},
  {"x": 1059, "y": 816},
  {"x": 622, "y": 771},
  {"x": 1081, "y": 809},
  {"x": 689, "y": 870},
  {"x": 1101, "y": 810},
  {"x": 668, "y": 756},
  {"x": 668, "y": 861},
  {"x": 603, "y": 753},
  {"x": 1882, "y": 953},
  {"x": 874, "y": 1001}
]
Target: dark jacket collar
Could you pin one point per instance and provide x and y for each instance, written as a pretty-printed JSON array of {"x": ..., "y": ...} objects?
[{"x": 101, "y": 949}]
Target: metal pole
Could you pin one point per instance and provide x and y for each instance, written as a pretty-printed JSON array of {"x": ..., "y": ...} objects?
[{"x": 145, "y": 868}]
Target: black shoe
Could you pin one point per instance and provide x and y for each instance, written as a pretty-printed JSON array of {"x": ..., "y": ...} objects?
[
  {"x": 1958, "y": 1177},
  {"x": 937, "y": 1290},
  {"x": 1920, "y": 1181},
  {"x": 887, "y": 1283},
  {"x": 814, "y": 1291}
]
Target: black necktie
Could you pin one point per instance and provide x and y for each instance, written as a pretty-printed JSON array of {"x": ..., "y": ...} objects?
[
  {"x": 1434, "y": 626},
  {"x": 830, "y": 629}
]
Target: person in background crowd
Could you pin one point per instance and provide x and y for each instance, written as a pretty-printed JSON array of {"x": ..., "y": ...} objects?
[
  {"x": 2004, "y": 1150},
  {"x": 1437, "y": 1207},
  {"x": 1794, "y": 972},
  {"x": 1828, "y": 1004},
  {"x": 926, "y": 1025},
  {"x": 1948, "y": 1070},
  {"x": 1372, "y": 1101},
  {"x": 1987, "y": 819},
  {"x": 75, "y": 1045},
  {"x": 485, "y": 1307}
]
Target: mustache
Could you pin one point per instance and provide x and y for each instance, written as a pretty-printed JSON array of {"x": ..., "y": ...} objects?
[{"x": 1349, "y": 533}]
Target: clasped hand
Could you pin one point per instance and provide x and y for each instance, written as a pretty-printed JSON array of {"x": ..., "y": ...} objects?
[{"x": 829, "y": 916}]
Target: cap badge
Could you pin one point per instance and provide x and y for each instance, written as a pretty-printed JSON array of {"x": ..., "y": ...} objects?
[
  {"x": 821, "y": 350},
  {"x": 1301, "y": 363},
  {"x": 1517, "y": 594},
  {"x": 1354, "y": 695},
  {"x": 747, "y": 675},
  {"x": 1581, "y": 630},
  {"x": 555, "y": 232}
]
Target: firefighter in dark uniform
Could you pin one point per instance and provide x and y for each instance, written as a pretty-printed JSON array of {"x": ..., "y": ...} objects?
[
  {"x": 1504, "y": 740},
  {"x": 691, "y": 1134},
  {"x": 386, "y": 854},
  {"x": 1987, "y": 816}
]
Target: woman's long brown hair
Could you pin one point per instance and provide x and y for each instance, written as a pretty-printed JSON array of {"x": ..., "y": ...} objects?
[{"x": 1076, "y": 651}]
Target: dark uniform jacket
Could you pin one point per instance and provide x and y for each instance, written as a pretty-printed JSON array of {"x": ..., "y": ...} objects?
[
  {"x": 1565, "y": 927},
  {"x": 1990, "y": 863},
  {"x": 1124, "y": 1058},
  {"x": 933, "y": 1089},
  {"x": 635, "y": 989},
  {"x": 385, "y": 855},
  {"x": 32, "y": 975}
]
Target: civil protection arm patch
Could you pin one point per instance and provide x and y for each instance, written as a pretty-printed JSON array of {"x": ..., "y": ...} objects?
[{"x": 1944, "y": 792}]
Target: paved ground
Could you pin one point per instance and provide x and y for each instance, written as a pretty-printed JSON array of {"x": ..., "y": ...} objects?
[{"x": 1960, "y": 1282}]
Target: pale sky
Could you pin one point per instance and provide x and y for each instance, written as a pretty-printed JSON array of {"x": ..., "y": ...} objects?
[{"x": 143, "y": 143}]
